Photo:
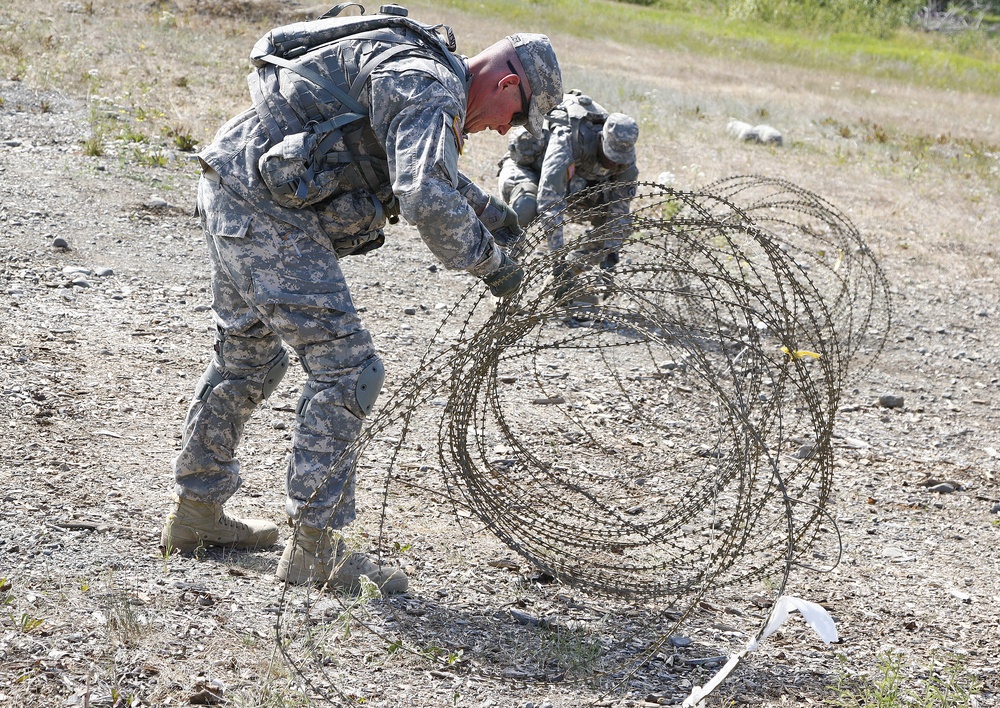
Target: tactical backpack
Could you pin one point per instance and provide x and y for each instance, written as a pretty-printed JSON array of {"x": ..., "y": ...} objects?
[
  {"x": 322, "y": 142},
  {"x": 577, "y": 108}
]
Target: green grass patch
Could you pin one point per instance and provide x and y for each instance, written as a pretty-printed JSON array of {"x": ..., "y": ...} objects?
[
  {"x": 894, "y": 684},
  {"x": 967, "y": 61}
]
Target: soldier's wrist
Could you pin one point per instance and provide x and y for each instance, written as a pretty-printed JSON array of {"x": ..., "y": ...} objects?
[{"x": 488, "y": 263}]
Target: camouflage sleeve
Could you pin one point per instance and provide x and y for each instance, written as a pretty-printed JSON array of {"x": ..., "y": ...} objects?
[
  {"x": 477, "y": 197},
  {"x": 622, "y": 192},
  {"x": 421, "y": 119},
  {"x": 557, "y": 170}
]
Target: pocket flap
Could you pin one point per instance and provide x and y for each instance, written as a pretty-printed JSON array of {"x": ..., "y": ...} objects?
[
  {"x": 272, "y": 289},
  {"x": 217, "y": 219}
]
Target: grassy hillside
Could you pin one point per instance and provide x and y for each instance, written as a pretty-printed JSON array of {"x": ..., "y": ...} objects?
[
  {"x": 171, "y": 72},
  {"x": 966, "y": 61}
]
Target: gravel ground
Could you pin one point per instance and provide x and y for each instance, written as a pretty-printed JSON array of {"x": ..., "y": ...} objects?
[{"x": 106, "y": 327}]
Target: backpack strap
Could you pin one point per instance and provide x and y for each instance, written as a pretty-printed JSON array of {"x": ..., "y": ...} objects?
[
  {"x": 330, "y": 87},
  {"x": 337, "y": 9}
]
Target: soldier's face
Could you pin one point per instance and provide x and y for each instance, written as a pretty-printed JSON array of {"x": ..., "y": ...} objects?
[{"x": 504, "y": 106}]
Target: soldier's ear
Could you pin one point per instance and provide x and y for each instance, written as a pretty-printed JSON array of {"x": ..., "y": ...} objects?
[{"x": 508, "y": 80}]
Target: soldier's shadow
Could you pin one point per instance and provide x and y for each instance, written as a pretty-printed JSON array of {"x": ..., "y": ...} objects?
[{"x": 606, "y": 648}]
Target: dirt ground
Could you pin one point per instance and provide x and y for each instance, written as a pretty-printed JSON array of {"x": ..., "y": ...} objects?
[{"x": 105, "y": 327}]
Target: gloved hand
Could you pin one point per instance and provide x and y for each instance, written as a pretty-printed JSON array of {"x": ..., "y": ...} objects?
[
  {"x": 506, "y": 237},
  {"x": 501, "y": 221},
  {"x": 506, "y": 279}
]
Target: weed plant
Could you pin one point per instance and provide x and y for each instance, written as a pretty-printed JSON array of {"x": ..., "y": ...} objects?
[{"x": 944, "y": 684}]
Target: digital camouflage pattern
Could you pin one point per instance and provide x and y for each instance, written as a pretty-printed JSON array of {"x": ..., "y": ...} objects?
[
  {"x": 276, "y": 278},
  {"x": 568, "y": 163},
  {"x": 618, "y": 138},
  {"x": 541, "y": 68}
]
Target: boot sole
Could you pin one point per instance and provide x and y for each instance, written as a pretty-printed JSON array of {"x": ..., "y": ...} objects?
[{"x": 192, "y": 541}]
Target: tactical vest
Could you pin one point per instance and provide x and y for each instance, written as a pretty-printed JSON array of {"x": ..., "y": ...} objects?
[{"x": 322, "y": 142}]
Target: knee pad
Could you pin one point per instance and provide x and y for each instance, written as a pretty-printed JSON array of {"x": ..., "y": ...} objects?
[
  {"x": 524, "y": 202},
  {"x": 369, "y": 384},
  {"x": 212, "y": 377},
  {"x": 256, "y": 387},
  {"x": 275, "y": 374}
]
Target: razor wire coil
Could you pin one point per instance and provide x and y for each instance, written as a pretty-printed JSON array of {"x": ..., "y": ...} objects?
[{"x": 682, "y": 402}]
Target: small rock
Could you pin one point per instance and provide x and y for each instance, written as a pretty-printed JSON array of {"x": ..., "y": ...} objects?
[
  {"x": 962, "y": 596},
  {"x": 409, "y": 310},
  {"x": 889, "y": 400},
  {"x": 763, "y": 134},
  {"x": 738, "y": 129},
  {"x": 60, "y": 242},
  {"x": 12, "y": 143},
  {"x": 806, "y": 452},
  {"x": 679, "y": 641},
  {"x": 943, "y": 488},
  {"x": 104, "y": 272},
  {"x": 766, "y": 135},
  {"x": 995, "y": 509},
  {"x": 158, "y": 203}
]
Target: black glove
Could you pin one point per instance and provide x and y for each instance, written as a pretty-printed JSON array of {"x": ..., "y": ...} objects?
[
  {"x": 506, "y": 237},
  {"x": 506, "y": 279},
  {"x": 498, "y": 214},
  {"x": 501, "y": 221}
]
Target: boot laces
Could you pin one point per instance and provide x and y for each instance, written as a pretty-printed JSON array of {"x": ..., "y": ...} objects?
[{"x": 232, "y": 523}]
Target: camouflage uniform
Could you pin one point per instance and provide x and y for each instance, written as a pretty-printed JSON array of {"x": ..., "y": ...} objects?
[
  {"x": 565, "y": 162},
  {"x": 275, "y": 272}
]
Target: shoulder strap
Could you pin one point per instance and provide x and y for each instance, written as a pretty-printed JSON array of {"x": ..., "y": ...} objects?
[{"x": 342, "y": 97}]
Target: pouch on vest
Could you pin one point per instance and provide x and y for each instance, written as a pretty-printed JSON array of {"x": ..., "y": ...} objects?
[
  {"x": 353, "y": 221},
  {"x": 296, "y": 173}
]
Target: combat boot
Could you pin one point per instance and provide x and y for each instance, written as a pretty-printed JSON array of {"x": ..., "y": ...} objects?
[
  {"x": 321, "y": 556},
  {"x": 192, "y": 524}
]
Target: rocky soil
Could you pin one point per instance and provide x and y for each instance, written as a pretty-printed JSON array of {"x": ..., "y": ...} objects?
[{"x": 105, "y": 328}]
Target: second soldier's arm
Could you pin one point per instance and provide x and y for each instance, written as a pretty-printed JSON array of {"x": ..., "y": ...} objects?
[
  {"x": 621, "y": 193},
  {"x": 557, "y": 170}
]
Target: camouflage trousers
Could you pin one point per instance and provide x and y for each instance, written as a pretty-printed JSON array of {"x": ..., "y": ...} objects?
[{"x": 273, "y": 285}]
